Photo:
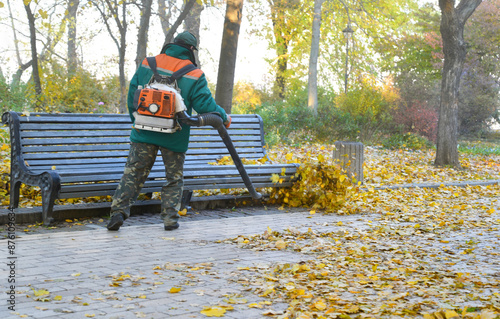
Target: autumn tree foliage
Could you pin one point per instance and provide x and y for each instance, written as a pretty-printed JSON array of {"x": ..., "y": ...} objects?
[
  {"x": 370, "y": 106},
  {"x": 417, "y": 61},
  {"x": 479, "y": 100},
  {"x": 418, "y": 117}
]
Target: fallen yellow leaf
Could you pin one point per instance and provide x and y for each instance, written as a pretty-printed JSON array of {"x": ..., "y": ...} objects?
[
  {"x": 280, "y": 244},
  {"x": 451, "y": 314},
  {"x": 40, "y": 292},
  {"x": 320, "y": 305},
  {"x": 213, "y": 311},
  {"x": 174, "y": 290}
]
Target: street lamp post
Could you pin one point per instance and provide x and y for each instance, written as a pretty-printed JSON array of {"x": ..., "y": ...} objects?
[{"x": 347, "y": 34}]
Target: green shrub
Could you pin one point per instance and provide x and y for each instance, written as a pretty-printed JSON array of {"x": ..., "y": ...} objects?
[
  {"x": 362, "y": 115},
  {"x": 369, "y": 106},
  {"x": 479, "y": 148},
  {"x": 407, "y": 141},
  {"x": 12, "y": 98}
]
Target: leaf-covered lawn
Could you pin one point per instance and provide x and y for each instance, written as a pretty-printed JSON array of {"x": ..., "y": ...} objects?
[{"x": 415, "y": 252}]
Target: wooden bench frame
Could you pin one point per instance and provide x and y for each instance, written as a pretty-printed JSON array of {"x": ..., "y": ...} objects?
[{"x": 82, "y": 155}]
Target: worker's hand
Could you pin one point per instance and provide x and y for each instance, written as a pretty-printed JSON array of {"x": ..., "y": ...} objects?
[{"x": 228, "y": 122}]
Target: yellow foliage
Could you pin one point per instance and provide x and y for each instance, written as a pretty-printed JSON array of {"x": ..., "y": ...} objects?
[{"x": 245, "y": 97}]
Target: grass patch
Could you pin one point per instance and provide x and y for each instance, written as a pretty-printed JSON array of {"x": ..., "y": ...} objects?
[{"x": 479, "y": 147}]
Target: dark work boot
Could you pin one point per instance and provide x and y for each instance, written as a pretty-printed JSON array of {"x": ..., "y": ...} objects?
[
  {"x": 115, "y": 222},
  {"x": 172, "y": 227}
]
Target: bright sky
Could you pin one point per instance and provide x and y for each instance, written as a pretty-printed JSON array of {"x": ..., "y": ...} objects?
[{"x": 250, "y": 65}]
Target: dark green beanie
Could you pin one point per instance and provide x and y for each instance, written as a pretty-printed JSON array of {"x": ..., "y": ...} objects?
[{"x": 187, "y": 38}]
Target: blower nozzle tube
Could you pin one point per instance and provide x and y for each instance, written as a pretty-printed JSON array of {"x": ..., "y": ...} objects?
[{"x": 214, "y": 120}]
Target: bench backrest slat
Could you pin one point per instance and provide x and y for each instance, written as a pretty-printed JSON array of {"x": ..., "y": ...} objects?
[{"x": 70, "y": 140}]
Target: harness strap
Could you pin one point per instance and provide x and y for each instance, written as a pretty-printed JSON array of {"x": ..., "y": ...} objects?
[{"x": 176, "y": 75}]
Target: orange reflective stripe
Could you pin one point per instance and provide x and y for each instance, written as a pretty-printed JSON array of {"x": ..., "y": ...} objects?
[{"x": 171, "y": 64}]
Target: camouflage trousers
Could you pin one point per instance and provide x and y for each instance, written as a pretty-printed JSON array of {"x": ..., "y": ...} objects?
[{"x": 139, "y": 163}]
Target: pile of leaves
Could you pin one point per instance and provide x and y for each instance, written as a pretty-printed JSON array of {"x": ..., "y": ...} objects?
[{"x": 321, "y": 183}]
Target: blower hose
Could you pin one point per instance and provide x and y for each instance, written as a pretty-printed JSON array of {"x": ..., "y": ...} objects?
[{"x": 214, "y": 120}]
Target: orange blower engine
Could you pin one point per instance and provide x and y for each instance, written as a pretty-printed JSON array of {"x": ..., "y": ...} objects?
[
  {"x": 156, "y": 103},
  {"x": 156, "y": 107}
]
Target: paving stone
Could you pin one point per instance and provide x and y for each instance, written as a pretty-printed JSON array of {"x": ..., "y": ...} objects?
[{"x": 78, "y": 265}]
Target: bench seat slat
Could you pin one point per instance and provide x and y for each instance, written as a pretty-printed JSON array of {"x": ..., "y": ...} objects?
[
  {"x": 74, "y": 126},
  {"x": 125, "y": 132},
  {"x": 109, "y": 147},
  {"x": 220, "y": 171},
  {"x": 35, "y": 164},
  {"x": 120, "y": 163},
  {"x": 199, "y": 182},
  {"x": 79, "y": 134},
  {"x": 74, "y": 191},
  {"x": 77, "y": 140},
  {"x": 74, "y": 118},
  {"x": 193, "y": 141},
  {"x": 106, "y": 154},
  {"x": 192, "y": 169},
  {"x": 109, "y": 126},
  {"x": 145, "y": 190},
  {"x": 105, "y": 119}
]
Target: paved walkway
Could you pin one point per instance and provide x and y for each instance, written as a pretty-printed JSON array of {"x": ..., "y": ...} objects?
[
  {"x": 134, "y": 273},
  {"x": 142, "y": 271}
]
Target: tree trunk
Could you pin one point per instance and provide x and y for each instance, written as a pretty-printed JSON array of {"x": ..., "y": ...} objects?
[
  {"x": 72, "y": 53},
  {"x": 192, "y": 24},
  {"x": 123, "y": 81},
  {"x": 142, "y": 34},
  {"x": 227, "y": 61},
  {"x": 281, "y": 31},
  {"x": 164, "y": 15},
  {"x": 312, "y": 101},
  {"x": 118, "y": 10},
  {"x": 35, "y": 75},
  {"x": 169, "y": 36},
  {"x": 21, "y": 66},
  {"x": 454, "y": 48},
  {"x": 122, "y": 51}
]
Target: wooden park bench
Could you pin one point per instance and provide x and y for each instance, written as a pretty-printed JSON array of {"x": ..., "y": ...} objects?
[{"x": 83, "y": 155}]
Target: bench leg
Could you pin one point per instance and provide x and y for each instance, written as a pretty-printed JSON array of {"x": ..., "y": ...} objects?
[
  {"x": 15, "y": 187},
  {"x": 47, "y": 207},
  {"x": 186, "y": 198},
  {"x": 50, "y": 186}
]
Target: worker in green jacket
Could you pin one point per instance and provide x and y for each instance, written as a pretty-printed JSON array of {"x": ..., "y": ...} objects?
[{"x": 145, "y": 144}]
